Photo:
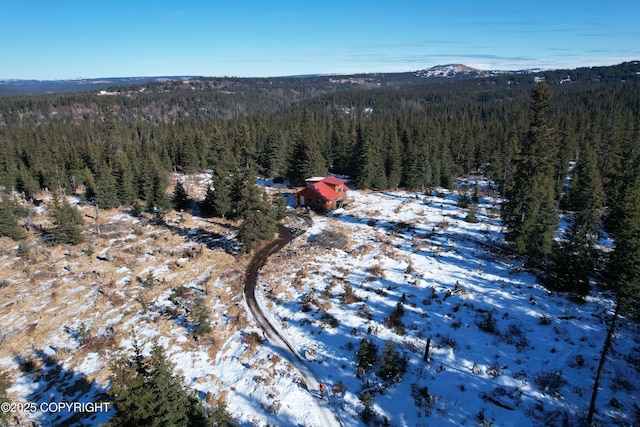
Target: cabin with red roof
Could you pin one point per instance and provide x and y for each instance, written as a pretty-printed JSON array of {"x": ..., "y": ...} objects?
[{"x": 323, "y": 193}]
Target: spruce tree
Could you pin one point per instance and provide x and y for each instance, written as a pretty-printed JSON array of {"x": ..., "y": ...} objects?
[
  {"x": 125, "y": 181},
  {"x": 220, "y": 416},
  {"x": 222, "y": 165},
  {"x": 250, "y": 204},
  {"x": 106, "y": 192},
  {"x": 146, "y": 392},
  {"x": 575, "y": 257},
  {"x": 368, "y": 414},
  {"x": 10, "y": 211},
  {"x": 26, "y": 183},
  {"x": 307, "y": 161},
  {"x": 393, "y": 162},
  {"x": 4, "y": 399},
  {"x": 207, "y": 206},
  {"x": 367, "y": 355},
  {"x": 244, "y": 193},
  {"x": 67, "y": 222},
  {"x": 90, "y": 186},
  {"x": 180, "y": 199},
  {"x": 279, "y": 206},
  {"x": 370, "y": 170},
  {"x": 221, "y": 196},
  {"x": 257, "y": 225},
  {"x": 529, "y": 211},
  {"x": 153, "y": 184},
  {"x": 200, "y": 317},
  {"x": 392, "y": 364},
  {"x": 625, "y": 259}
]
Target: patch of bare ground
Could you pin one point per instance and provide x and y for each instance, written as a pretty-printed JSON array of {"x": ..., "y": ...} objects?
[{"x": 72, "y": 301}]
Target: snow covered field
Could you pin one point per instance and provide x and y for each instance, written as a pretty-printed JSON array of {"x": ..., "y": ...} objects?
[{"x": 503, "y": 350}]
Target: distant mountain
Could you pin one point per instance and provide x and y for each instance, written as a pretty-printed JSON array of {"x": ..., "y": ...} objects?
[{"x": 452, "y": 71}]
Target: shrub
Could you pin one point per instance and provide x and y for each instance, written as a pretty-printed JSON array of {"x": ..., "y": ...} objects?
[
  {"x": 23, "y": 250},
  {"x": 410, "y": 269},
  {"x": 516, "y": 337},
  {"x": 330, "y": 320},
  {"x": 471, "y": 216},
  {"x": 488, "y": 323},
  {"x": 422, "y": 398},
  {"x": 464, "y": 201},
  {"x": 178, "y": 292},
  {"x": 545, "y": 319},
  {"x": 200, "y": 316},
  {"x": 377, "y": 270},
  {"x": 136, "y": 210},
  {"x": 447, "y": 341},
  {"x": 394, "y": 320},
  {"x": 252, "y": 339},
  {"x": 549, "y": 381},
  {"x": 149, "y": 281},
  {"x": 349, "y": 296}
]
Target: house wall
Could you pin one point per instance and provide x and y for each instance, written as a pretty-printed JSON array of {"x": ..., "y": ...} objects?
[{"x": 309, "y": 198}]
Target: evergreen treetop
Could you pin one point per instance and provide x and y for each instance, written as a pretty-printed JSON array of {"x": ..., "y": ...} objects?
[
  {"x": 180, "y": 199},
  {"x": 146, "y": 392},
  {"x": 529, "y": 211},
  {"x": 67, "y": 222},
  {"x": 10, "y": 211}
]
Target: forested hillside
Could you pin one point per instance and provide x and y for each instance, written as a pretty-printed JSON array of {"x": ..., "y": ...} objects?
[
  {"x": 398, "y": 134},
  {"x": 383, "y": 131}
]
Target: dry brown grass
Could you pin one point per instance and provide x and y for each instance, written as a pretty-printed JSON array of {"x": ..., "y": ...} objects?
[
  {"x": 377, "y": 270},
  {"x": 253, "y": 340},
  {"x": 53, "y": 289}
]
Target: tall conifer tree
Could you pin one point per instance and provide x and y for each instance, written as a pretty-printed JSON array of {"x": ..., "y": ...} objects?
[
  {"x": 10, "y": 211},
  {"x": 575, "y": 256},
  {"x": 106, "y": 193},
  {"x": 180, "y": 199},
  {"x": 371, "y": 172},
  {"x": 529, "y": 211},
  {"x": 146, "y": 392},
  {"x": 258, "y": 218},
  {"x": 625, "y": 259}
]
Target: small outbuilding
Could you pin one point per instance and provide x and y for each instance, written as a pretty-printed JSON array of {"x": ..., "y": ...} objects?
[{"x": 323, "y": 193}]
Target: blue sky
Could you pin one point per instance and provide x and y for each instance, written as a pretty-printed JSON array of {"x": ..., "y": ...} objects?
[{"x": 51, "y": 39}]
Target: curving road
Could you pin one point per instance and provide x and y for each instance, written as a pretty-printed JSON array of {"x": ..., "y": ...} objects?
[{"x": 324, "y": 415}]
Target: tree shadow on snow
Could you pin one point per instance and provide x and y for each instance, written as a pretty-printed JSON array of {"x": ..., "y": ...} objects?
[{"x": 52, "y": 385}]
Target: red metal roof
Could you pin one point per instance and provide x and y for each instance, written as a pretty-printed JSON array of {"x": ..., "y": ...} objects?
[
  {"x": 332, "y": 180},
  {"x": 324, "y": 191}
]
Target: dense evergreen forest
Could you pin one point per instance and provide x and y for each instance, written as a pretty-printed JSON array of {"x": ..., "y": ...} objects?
[
  {"x": 401, "y": 134},
  {"x": 382, "y": 131}
]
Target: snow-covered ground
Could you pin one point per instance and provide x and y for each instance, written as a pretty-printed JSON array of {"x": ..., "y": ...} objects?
[{"x": 503, "y": 350}]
